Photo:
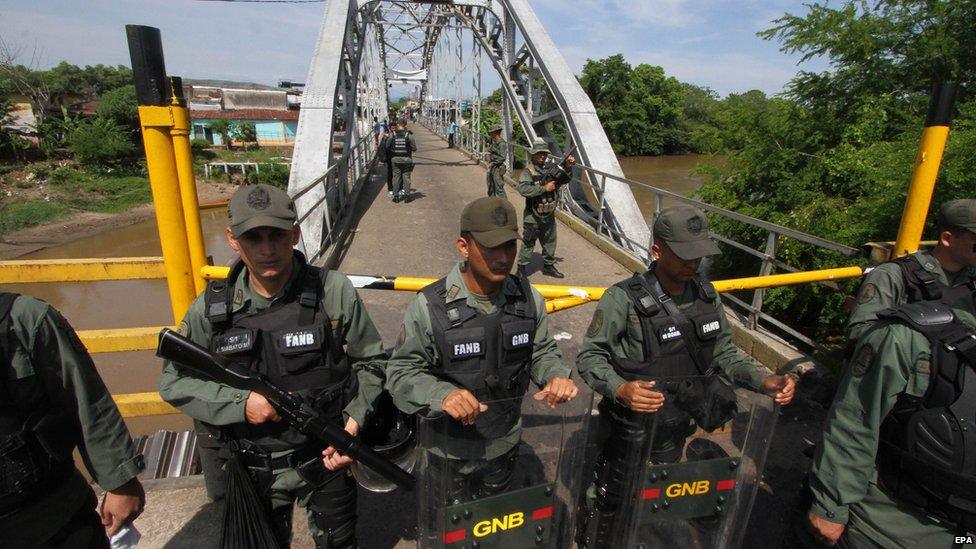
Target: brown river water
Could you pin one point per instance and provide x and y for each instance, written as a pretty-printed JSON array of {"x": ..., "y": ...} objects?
[{"x": 135, "y": 303}]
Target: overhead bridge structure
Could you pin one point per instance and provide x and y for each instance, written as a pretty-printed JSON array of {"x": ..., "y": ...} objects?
[{"x": 445, "y": 49}]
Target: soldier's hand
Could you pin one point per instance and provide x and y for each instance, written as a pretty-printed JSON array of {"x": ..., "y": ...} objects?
[
  {"x": 122, "y": 505},
  {"x": 638, "y": 396},
  {"x": 559, "y": 389},
  {"x": 781, "y": 388},
  {"x": 331, "y": 457},
  {"x": 258, "y": 410},
  {"x": 462, "y": 406},
  {"x": 550, "y": 186},
  {"x": 826, "y": 532}
]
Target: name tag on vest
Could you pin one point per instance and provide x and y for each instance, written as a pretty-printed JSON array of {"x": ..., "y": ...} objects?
[
  {"x": 234, "y": 343},
  {"x": 296, "y": 341},
  {"x": 466, "y": 349},
  {"x": 669, "y": 334}
]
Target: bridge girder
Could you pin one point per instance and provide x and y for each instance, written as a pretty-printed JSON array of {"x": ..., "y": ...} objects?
[{"x": 540, "y": 89}]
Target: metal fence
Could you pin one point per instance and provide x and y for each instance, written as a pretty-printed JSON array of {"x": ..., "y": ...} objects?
[
  {"x": 340, "y": 184},
  {"x": 585, "y": 201}
]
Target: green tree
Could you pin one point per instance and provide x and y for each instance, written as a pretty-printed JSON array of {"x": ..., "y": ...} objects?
[
  {"x": 120, "y": 105},
  {"x": 641, "y": 108},
  {"x": 100, "y": 143},
  {"x": 245, "y": 132},
  {"x": 833, "y": 157},
  {"x": 222, "y": 127}
]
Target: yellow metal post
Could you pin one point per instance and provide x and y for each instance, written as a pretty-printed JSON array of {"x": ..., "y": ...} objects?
[
  {"x": 188, "y": 191},
  {"x": 927, "y": 163},
  {"x": 164, "y": 180}
]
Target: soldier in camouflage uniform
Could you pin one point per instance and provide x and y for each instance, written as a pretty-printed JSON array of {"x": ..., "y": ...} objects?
[
  {"x": 497, "y": 155},
  {"x": 478, "y": 335},
  {"x": 52, "y": 400},
  {"x": 305, "y": 329},
  {"x": 894, "y": 466},
  {"x": 923, "y": 275},
  {"x": 667, "y": 322},
  {"x": 539, "y": 216}
]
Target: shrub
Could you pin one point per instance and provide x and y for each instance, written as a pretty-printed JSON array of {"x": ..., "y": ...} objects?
[
  {"x": 100, "y": 143},
  {"x": 272, "y": 174}
]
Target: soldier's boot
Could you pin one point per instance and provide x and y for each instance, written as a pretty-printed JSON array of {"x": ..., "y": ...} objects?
[
  {"x": 551, "y": 270},
  {"x": 332, "y": 514}
]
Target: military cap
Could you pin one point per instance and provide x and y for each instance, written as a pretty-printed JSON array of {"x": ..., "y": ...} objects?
[
  {"x": 685, "y": 230},
  {"x": 959, "y": 213},
  {"x": 260, "y": 205},
  {"x": 495, "y": 129},
  {"x": 539, "y": 147},
  {"x": 490, "y": 220}
]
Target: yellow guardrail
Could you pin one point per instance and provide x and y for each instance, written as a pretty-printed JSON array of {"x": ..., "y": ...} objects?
[{"x": 81, "y": 270}]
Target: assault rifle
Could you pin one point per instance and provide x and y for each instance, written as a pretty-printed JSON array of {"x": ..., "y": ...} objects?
[
  {"x": 557, "y": 171},
  {"x": 175, "y": 347}
]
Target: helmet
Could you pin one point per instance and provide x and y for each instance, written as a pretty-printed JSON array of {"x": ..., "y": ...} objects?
[{"x": 393, "y": 434}]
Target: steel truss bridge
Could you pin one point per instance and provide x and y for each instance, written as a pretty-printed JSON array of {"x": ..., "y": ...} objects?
[{"x": 445, "y": 48}]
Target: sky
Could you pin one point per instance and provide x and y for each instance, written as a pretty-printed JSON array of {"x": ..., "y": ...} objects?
[{"x": 710, "y": 43}]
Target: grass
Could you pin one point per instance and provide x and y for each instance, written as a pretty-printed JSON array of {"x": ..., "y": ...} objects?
[
  {"x": 68, "y": 190},
  {"x": 19, "y": 215}
]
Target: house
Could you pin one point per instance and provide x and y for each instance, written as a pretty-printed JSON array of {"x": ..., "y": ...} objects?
[{"x": 272, "y": 110}]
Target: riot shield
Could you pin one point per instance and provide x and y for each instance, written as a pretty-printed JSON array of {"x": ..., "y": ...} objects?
[
  {"x": 696, "y": 465},
  {"x": 510, "y": 480}
]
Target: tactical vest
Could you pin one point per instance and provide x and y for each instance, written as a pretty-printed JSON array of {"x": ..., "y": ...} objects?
[
  {"x": 921, "y": 285},
  {"x": 36, "y": 436},
  {"x": 927, "y": 450},
  {"x": 400, "y": 145},
  {"x": 666, "y": 351},
  {"x": 488, "y": 355},
  {"x": 291, "y": 343},
  {"x": 544, "y": 204}
]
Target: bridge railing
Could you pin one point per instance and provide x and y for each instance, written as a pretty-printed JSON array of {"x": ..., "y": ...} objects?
[
  {"x": 339, "y": 184},
  {"x": 589, "y": 206}
]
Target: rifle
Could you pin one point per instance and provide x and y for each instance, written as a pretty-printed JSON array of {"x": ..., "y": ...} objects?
[
  {"x": 554, "y": 171},
  {"x": 175, "y": 347}
]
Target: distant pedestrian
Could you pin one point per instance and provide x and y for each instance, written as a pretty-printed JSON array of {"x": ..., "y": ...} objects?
[
  {"x": 377, "y": 131},
  {"x": 451, "y": 134},
  {"x": 497, "y": 165},
  {"x": 402, "y": 146}
]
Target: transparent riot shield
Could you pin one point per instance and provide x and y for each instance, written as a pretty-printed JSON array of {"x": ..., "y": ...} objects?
[
  {"x": 510, "y": 480},
  {"x": 697, "y": 461}
]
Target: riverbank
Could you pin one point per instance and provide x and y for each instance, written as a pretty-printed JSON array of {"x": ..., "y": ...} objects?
[{"x": 83, "y": 224}]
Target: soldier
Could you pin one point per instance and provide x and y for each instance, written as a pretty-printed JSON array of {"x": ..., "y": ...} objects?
[
  {"x": 401, "y": 148},
  {"x": 52, "y": 400},
  {"x": 497, "y": 155},
  {"x": 445, "y": 363},
  {"x": 666, "y": 322},
  {"x": 304, "y": 328},
  {"x": 895, "y": 467},
  {"x": 538, "y": 218},
  {"x": 922, "y": 275}
]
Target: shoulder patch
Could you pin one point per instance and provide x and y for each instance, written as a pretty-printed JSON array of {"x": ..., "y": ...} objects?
[
  {"x": 453, "y": 292},
  {"x": 239, "y": 297},
  {"x": 867, "y": 293},
  {"x": 923, "y": 366},
  {"x": 596, "y": 324},
  {"x": 863, "y": 360}
]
